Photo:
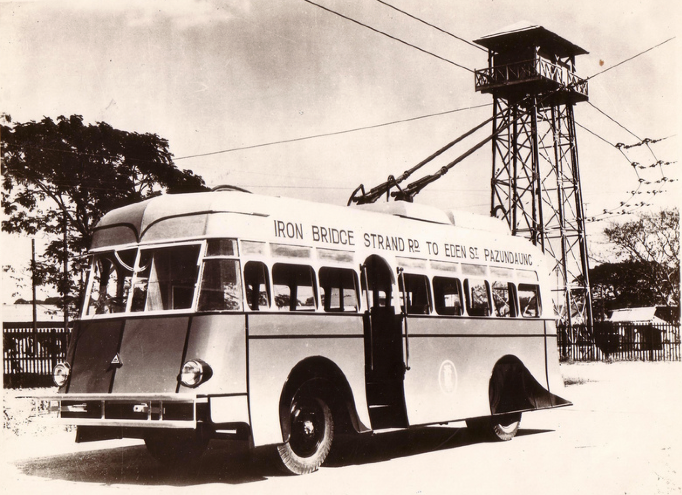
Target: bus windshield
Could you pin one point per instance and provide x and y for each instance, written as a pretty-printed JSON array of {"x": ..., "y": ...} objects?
[{"x": 161, "y": 279}]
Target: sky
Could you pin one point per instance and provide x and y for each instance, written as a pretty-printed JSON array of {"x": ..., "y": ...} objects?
[{"x": 215, "y": 75}]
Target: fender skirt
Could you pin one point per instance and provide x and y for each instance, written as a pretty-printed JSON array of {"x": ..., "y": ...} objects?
[{"x": 513, "y": 389}]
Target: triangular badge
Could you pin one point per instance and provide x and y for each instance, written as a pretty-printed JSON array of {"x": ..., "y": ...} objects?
[{"x": 117, "y": 360}]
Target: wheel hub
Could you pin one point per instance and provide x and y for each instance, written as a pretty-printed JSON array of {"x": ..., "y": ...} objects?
[
  {"x": 309, "y": 428},
  {"x": 306, "y": 433}
]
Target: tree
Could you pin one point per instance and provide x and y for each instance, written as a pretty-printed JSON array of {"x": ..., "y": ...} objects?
[
  {"x": 620, "y": 285},
  {"x": 61, "y": 177},
  {"x": 648, "y": 249}
]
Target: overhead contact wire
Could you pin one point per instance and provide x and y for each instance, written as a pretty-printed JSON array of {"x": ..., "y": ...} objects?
[
  {"x": 335, "y": 133},
  {"x": 432, "y": 25},
  {"x": 390, "y": 36}
]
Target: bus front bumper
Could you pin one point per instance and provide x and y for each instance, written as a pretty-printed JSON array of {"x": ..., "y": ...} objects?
[{"x": 125, "y": 410}]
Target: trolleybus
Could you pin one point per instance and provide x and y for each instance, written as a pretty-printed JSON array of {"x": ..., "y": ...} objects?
[{"x": 226, "y": 314}]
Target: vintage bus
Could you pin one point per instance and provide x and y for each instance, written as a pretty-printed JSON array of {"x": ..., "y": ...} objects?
[{"x": 231, "y": 315}]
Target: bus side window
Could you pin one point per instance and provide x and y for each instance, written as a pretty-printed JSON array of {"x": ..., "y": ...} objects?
[
  {"x": 417, "y": 294},
  {"x": 257, "y": 285},
  {"x": 338, "y": 289},
  {"x": 221, "y": 288},
  {"x": 503, "y": 299},
  {"x": 447, "y": 294},
  {"x": 294, "y": 287},
  {"x": 477, "y": 297},
  {"x": 529, "y": 300}
]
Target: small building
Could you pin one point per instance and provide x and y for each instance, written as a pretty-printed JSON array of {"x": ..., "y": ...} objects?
[
  {"x": 636, "y": 315},
  {"x": 640, "y": 326}
]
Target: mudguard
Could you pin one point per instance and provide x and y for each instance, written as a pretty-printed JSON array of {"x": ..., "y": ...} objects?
[{"x": 514, "y": 389}]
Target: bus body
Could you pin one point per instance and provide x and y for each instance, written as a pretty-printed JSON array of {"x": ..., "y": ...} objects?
[{"x": 227, "y": 314}]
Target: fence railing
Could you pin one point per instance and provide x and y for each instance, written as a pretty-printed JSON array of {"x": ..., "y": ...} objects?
[
  {"x": 620, "y": 341},
  {"x": 29, "y": 355}
]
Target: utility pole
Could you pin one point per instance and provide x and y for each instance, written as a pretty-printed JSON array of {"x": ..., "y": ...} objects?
[
  {"x": 66, "y": 274},
  {"x": 33, "y": 301}
]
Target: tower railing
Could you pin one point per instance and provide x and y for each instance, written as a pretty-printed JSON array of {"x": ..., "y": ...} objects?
[{"x": 538, "y": 68}]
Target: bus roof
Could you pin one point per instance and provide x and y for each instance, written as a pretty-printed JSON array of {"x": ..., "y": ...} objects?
[
  {"x": 393, "y": 226},
  {"x": 138, "y": 218}
]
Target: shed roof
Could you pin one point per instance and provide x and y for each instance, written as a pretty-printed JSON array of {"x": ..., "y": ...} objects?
[{"x": 635, "y": 314}]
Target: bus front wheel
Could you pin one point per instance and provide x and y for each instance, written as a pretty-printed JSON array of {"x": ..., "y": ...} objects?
[
  {"x": 502, "y": 427},
  {"x": 312, "y": 433}
]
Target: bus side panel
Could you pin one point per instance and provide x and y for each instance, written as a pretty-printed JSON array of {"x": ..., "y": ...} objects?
[
  {"x": 219, "y": 341},
  {"x": 151, "y": 355},
  {"x": 451, "y": 362},
  {"x": 278, "y": 342},
  {"x": 555, "y": 381}
]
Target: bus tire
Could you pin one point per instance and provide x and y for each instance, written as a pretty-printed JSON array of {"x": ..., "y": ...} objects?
[
  {"x": 175, "y": 448},
  {"x": 499, "y": 428},
  {"x": 312, "y": 433}
]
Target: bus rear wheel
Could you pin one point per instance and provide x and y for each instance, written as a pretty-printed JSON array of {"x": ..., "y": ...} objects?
[
  {"x": 312, "y": 433},
  {"x": 175, "y": 448},
  {"x": 501, "y": 428}
]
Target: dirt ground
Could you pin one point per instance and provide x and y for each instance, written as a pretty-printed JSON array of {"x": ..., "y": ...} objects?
[{"x": 623, "y": 435}]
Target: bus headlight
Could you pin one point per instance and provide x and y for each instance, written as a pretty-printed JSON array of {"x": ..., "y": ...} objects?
[
  {"x": 60, "y": 374},
  {"x": 195, "y": 372}
]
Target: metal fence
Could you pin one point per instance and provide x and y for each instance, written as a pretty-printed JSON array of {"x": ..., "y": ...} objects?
[
  {"x": 29, "y": 355},
  {"x": 620, "y": 341}
]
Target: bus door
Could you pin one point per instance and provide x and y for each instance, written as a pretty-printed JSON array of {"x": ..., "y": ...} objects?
[{"x": 384, "y": 363}]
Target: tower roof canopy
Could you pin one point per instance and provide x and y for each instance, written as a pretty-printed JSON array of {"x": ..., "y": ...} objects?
[{"x": 524, "y": 34}]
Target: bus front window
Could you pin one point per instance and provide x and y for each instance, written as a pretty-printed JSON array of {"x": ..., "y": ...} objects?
[
  {"x": 140, "y": 281},
  {"x": 158, "y": 279},
  {"x": 166, "y": 278},
  {"x": 111, "y": 275}
]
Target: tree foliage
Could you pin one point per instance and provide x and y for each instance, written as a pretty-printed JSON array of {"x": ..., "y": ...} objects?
[
  {"x": 648, "y": 271},
  {"x": 64, "y": 175},
  {"x": 620, "y": 285}
]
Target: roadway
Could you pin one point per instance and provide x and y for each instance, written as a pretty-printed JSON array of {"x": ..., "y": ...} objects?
[{"x": 623, "y": 435}]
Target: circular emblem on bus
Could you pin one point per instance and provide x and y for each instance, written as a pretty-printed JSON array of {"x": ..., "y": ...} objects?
[{"x": 447, "y": 376}]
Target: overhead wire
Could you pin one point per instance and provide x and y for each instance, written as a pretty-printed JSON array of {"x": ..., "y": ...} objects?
[
  {"x": 628, "y": 59},
  {"x": 334, "y": 133},
  {"x": 595, "y": 134},
  {"x": 272, "y": 143},
  {"x": 397, "y": 121},
  {"x": 642, "y": 142},
  {"x": 365, "y": 127},
  {"x": 641, "y": 182},
  {"x": 432, "y": 25},
  {"x": 390, "y": 36},
  {"x": 429, "y": 115},
  {"x": 416, "y": 186},
  {"x": 614, "y": 120},
  {"x": 645, "y": 141},
  {"x": 620, "y": 146}
]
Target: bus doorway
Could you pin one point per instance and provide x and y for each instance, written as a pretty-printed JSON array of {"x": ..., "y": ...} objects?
[{"x": 384, "y": 362}]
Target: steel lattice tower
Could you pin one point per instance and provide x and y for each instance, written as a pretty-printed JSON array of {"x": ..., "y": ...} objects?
[{"x": 535, "y": 175}]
